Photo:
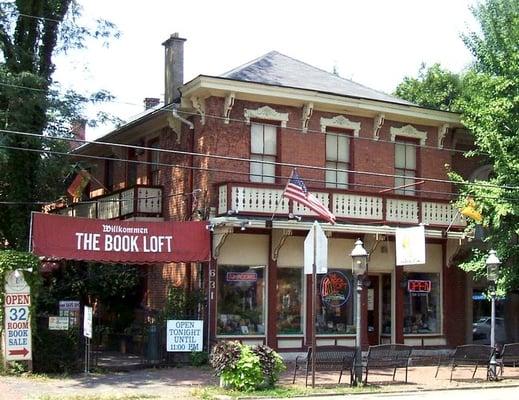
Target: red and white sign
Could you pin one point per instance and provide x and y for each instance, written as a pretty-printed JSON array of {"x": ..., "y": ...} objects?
[
  {"x": 418, "y": 286},
  {"x": 241, "y": 277},
  {"x": 137, "y": 242},
  {"x": 17, "y": 326}
]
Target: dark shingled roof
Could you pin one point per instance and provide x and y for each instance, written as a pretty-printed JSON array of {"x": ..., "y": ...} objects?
[{"x": 277, "y": 69}]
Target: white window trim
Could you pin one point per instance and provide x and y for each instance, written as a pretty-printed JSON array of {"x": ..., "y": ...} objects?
[
  {"x": 340, "y": 122},
  {"x": 267, "y": 113},
  {"x": 408, "y": 131}
]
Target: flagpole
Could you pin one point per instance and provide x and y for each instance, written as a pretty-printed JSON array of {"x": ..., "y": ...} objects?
[
  {"x": 78, "y": 168},
  {"x": 281, "y": 197},
  {"x": 314, "y": 294},
  {"x": 452, "y": 221}
]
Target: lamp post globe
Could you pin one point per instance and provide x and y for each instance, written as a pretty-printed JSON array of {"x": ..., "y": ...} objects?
[
  {"x": 359, "y": 257},
  {"x": 492, "y": 263}
]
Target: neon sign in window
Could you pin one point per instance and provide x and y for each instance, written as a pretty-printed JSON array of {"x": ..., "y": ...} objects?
[{"x": 418, "y": 286}]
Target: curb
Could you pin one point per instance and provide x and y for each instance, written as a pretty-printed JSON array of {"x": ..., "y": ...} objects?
[{"x": 383, "y": 392}]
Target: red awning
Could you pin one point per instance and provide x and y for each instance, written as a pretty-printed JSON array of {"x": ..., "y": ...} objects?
[{"x": 114, "y": 241}]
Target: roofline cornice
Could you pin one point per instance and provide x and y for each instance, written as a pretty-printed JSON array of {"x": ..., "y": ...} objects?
[{"x": 205, "y": 86}]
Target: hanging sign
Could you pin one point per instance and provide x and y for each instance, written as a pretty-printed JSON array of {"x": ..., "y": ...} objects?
[
  {"x": 335, "y": 289},
  {"x": 61, "y": 237},
  {"x": 184, "y": 335},
  {"x": 410, "y": 245},
  {"x": 18, "y": 343}
]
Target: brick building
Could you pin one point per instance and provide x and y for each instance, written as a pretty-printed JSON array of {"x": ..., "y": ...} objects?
[{"x": 222, "y": 149}]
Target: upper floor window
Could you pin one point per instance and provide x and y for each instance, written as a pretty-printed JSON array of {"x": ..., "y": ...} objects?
[
  {"x": 405, "y": 166},
  {"x": 263, "y": 147},
  {"x": 131, "y": 168},
  {"x": 109, "y": 175},
  {"x": 338, "y": 159},
  {"x": 154, "y": 160}
]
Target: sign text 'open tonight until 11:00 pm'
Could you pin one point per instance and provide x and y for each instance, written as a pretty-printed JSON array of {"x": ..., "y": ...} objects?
[{"x": 126, "y": 243}]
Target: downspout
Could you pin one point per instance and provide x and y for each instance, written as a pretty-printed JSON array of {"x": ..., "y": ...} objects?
[{"x": 175, "y": 115}]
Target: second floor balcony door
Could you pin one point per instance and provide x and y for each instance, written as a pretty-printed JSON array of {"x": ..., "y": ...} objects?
[{"x": 263, "y": 145}]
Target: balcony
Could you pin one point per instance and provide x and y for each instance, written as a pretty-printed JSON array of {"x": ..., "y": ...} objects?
[
  {"x": 253, "y": 199},
  {"x": 137, "y": 202}
]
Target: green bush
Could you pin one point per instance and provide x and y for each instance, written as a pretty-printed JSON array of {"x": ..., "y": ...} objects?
[
  {"x": 199, "y": 358},
  {"x": 271, "y": 364},
  {"x": 56, "y": 351},
  {"x": 244, "y": 368},
  {"x": 225, "y": 355}
]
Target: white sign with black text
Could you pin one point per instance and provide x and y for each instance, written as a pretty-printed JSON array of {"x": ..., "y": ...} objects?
[
  {"x": 184, "y": 335},
  {"x": 58, "y": 323},
  {"x": 316, "y": 248},
  {"x": 18, "y": 343},
  {"x": 87, "y": 322}
]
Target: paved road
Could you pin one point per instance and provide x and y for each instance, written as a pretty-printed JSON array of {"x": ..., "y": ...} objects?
[{"x": 505, "y": 393}]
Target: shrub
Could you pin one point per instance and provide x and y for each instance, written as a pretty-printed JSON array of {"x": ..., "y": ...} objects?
[
  {"x": 271, "y": 363},
  {"x": 56, "y": 351},
  {"x": 245, "y": 368},
  {"x": 225, "y": 355},
  {"x": 199, "y": 358}
]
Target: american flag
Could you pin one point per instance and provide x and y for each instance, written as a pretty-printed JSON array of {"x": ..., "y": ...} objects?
[{"x": 296, "y": 190}]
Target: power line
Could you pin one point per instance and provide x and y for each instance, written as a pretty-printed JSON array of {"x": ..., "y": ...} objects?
[
  {"x": 248, "y": 160},
  {"x": 39, "y": 17},
  {"x": 54, "y": 93},
  {"x": 233, "y": 172}
]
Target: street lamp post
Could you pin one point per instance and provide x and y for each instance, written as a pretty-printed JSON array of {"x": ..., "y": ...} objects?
[
  {"x": 492, "y": 264},
  {"x": 359, "y": 257}
]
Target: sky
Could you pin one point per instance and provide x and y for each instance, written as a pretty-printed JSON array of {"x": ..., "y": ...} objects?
[{"x": 373, "y": 42}]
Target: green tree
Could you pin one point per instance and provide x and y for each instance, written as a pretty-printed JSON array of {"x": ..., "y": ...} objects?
[
  {"x": 490, "y": 110},
  {"x": 31, "y": 33},
  {"x": 434, "y": 87}
]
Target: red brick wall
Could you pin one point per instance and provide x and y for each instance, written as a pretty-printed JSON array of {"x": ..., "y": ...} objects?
[{"x": 296, "y": 147}]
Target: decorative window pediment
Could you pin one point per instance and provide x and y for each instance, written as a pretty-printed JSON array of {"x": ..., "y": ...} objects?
[
  {"x": 410, "y": 132},
  {"x": 340, "y": 122},
  {"x": 266, "y": 112}
]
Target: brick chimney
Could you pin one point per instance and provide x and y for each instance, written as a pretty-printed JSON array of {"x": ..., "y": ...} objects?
[
  {"x": 78, "y": 129},
  {"x": 150, "y": 102},
  {"x": 174, "y": 67}
]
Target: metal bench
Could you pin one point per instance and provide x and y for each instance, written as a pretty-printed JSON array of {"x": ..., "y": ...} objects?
[
  {"x": 327, "y": 358},
  {"x": 431, "y": 357},
  {"x": 387, "y": 356},
  {"x": 509, "y": 356},
  {"x": 471, "y": 355}
]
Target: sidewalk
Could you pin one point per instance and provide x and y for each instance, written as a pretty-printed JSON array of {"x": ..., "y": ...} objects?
[{"x": 179, "y": 383}]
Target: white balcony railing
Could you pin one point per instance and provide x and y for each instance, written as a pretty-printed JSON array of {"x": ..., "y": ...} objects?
[
  {"x": 262, "y": 200},
  {"x": 134, "y": 201}
]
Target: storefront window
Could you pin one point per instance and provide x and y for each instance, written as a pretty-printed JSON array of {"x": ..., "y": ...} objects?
[
  {"x": 290, "y": 301},
  {"x": 422, "y": 303},
  {"x": 241, "y": 300},
  {"x": 335, "y": 303}
]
